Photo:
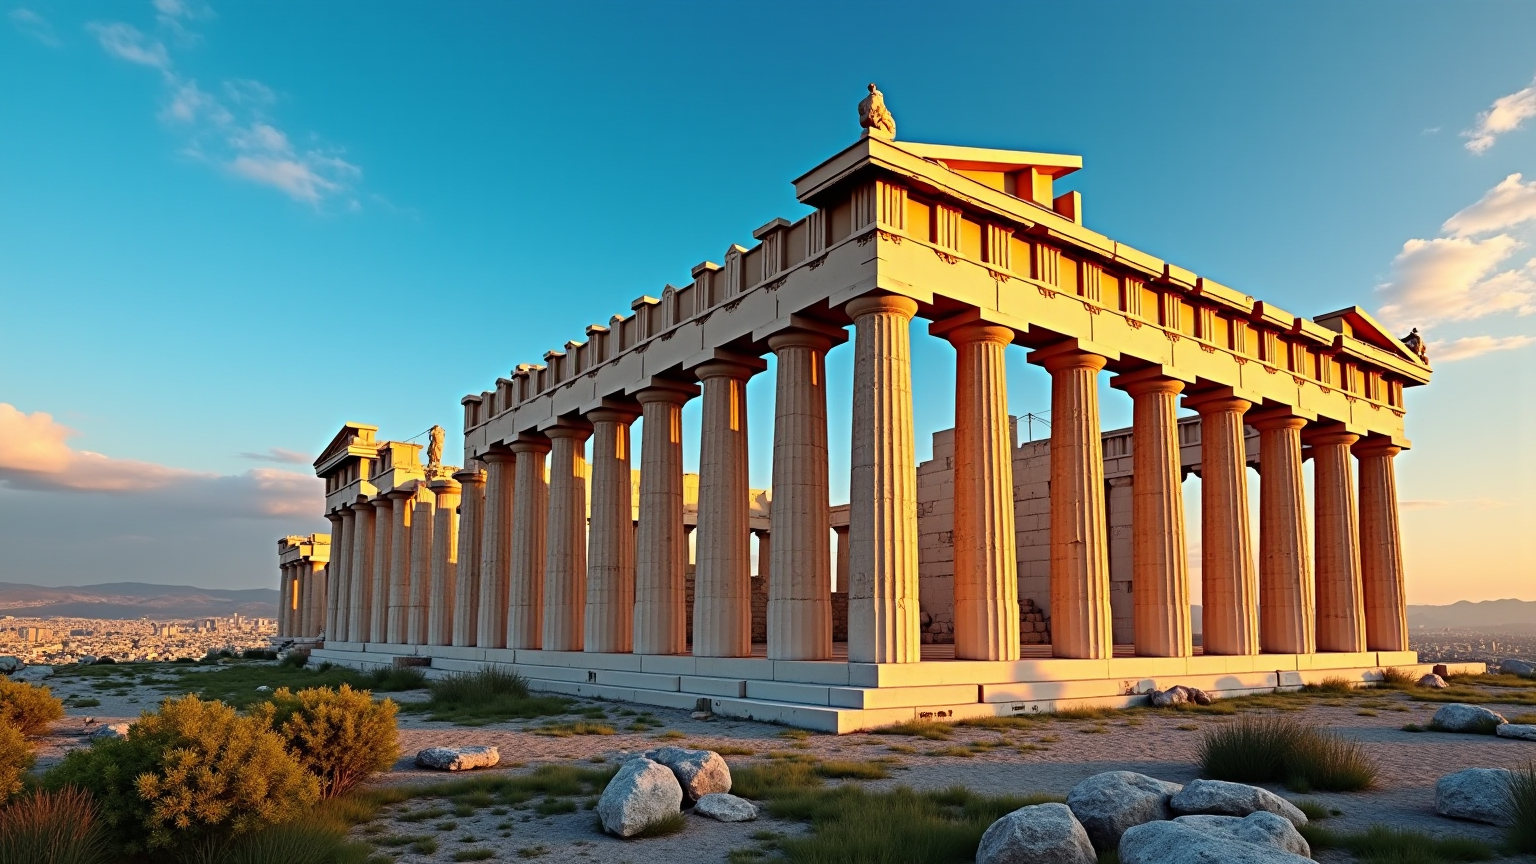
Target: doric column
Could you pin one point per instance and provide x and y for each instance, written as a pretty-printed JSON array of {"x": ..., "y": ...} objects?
[
  {"x": 441, "y": 599},
  {"x": 530, "y": 508},
  {"x": 800, "y": 598},
  {"x": 402, "y": 518},
  {"x": 1081, "y": 620},
  {"x": 1340, "y": 607},
  {"x": 315, "y": 606},
  {"x": 338, "y": 579},
  {"x": 1285, "y": 563},
  {"x": 883, "y": 611},
  {"x": 1229, "y": 592},
  {"x": 986, "y": 558},
  {"x": 661, "y": 547},
  {"x": 284, "y": 575},
  {"x": 722, "y": 598},
  {"x": 565, "y": 561},
  {"x": 1381, "y": 548},
  {"x": 610, "y": 617},
  {"x": 844, "y": 547},
  {"x": 383, "y": 593},
  {"x": 423, "y": 525},
  {"x": 496, "y": 549},
  {"x": 471, "y": 525},
  {"x": 360, "y": 601},
  {"x": 295, "y": 597},
  {"x": 1159, "y": 563}
]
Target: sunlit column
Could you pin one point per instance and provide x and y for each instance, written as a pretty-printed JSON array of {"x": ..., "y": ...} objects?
[
  {"x": 315, "y": 607},
  {"x": 439, "y": 603},
  {"x": 530, "y": 509},
  {"x": 722, "y": 599},
  {"x": 423, "y": 527},
  {"x": 284, "y": 576},
  {"x": 610, "y": 617},
  {"x": 1229, "y": 593},
  {"x": 471, "y": 526},
  {"x": 339, "y": 578},
  {"x": 382, "y": 593},
  {"x": 361, "y": 596},
  {"x": 1159, "y": 562},
  {"x": 661, "y": 546},
  {"x": 1285, "y": 563},
  {"x": 402, "y": 517},
  {"x": 1381, "y": 548},
  {"x": 1340, "y": 607},
  {"x": 496, "y": 549},
  {"x": 565, "y": 561}
]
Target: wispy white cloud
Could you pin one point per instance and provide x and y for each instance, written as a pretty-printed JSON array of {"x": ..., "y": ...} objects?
[
  {"x": 1507, "y": 114},
  {"x": 278, "y": 454},
  {"x": 125, "y": 42},
  {"x": 1449, "y": 351},
  {"x": 1456, "y": 279},
  {"x": 1508, "y": 205},
  {"x": 34, "y": 25}
]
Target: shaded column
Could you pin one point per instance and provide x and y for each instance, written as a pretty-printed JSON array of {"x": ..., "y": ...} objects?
[
  {"x": 496, "y": 549},
  {"x": 1229, "y": 586},
  {"x": 1285, "y": 563},
  {"x": 1081, "y": 620},
  {"x": 284, "y": 576},
  {"x": 722, "y": 598},
  {"x": 337, "y": 580},
  {"x": 423, "y": 526},
  {"x": 1159, "y": 561},
  {"x": 799, "y": 599},
  {"x": 530, "y": 509},
  {"x": 315, "y": 609},
  {"x": 471, "y": 525},
  {"x": 402, "y": 518},
  {"x": 883, "y": 625},
  {"x": 383, "y": 593},
  {"x": 360, "y": 599},
  {"x": 843, "y": 549},
  {"x": 661, "y": 547},
  {"x": 986, "y": 557},
  {"x": 1340, "y": 606},
  {"x": 441, "y": 601},
  {"x": 610, "y": 616},
  {"x": 565, "y": 561},
  {"x": 1381, "y": 548}
]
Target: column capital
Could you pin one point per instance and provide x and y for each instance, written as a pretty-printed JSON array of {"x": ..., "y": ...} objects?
[
  {"x": 1209, "y": 399},
  {"x": 1073, "y": 354},
  {"x": 499, "y": 453},
  {"x": 973, "y": 325},
  {"x": 470, "y": 475},
  {"x": 665, "y": 390},
  {"x": 1283, "y": 417},
  {"x": 1332, "y": 433},
  {"x": 444, "y": 486},
  {"x": 893, "y": 304},
  {"x": 1376, "y": 446},
  {"x": 811, "y": 339},
  {"x": 530, "y": 442},
  {"x": 1144, "y": 381},
  {"x": 614, "y": 411},
  {"x": 359, "y": 506},
  {"x": 801, "y": 324},
  {"x": 727, "y": 369},
  {"x": 565, "y": 427},
  {"x": 334, "y": 518}
]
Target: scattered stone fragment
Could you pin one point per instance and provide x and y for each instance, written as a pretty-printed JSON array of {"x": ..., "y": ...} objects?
[
  {"x": 1517, "y": 667},
  {"x": 263, "y": 689},
  {"x": 725, "y": 807},
  {"x": 32, "y": 673},
  {"x": 1109, "y": 803},
  {"x": 1038, "y": 834},
  {"x": 1261, "y": 828},
  {"x": 1220, "y": 798},
  {"x": 86, "y": 659},
  {"x": 458, "y": 758},
  {"x": 1519, "y": 731},
  {"x": 702, "y": 715},
  {"x": 700, "y": 772},
  {"x": 111, "y": 730},
  {"x": 1180, "y": 842},
  {"x": 1168, "y": 698},
  {"x": 641, "y": 793},
  {"x": 1434, "y": 681},
  {"x": 1461, "y": 717},
  {"x": 1478, "y": 794}
]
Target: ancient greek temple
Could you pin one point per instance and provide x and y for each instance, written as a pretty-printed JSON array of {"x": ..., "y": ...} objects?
[{"x": 994, "y": 581}]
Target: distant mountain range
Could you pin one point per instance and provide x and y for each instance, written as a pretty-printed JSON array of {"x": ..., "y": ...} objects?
[
  {"x": 1490, "y": 615},
  {"x": 135, "y": 600}
]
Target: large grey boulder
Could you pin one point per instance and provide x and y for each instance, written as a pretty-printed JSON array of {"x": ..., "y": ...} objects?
[
  {"x": 1109, "y": 803},
  {"x": 700, "y": 772},
  {"x": 1517, "y": 667},
  {"x": 1179, "y": 842},
  {"x": 458, "y": 758},
  {"x": 641, "y": 793},
  {"x": 1220, "y": 798},
  {"x": 1460, "y": 717},
  {"x": 1261, "y": 828},
  {"x": 1519, "y": 731},
  {"x": 1038, "y": 834},
  {"x": 1477, "y": 794},
  {"x": 33, "y": 673},
  {"x": 725, "y": 807},
  {"x": 10, "y": 664}
]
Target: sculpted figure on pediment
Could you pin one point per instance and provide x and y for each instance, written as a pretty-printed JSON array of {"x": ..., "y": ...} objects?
[{"x": 874, "y": 116}]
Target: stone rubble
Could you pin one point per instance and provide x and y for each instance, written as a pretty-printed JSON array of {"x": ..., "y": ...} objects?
[
  {"x": 1433, "y": 681},
  {"x": 1108, "y": 804},
  {"x": 641, "y": 793},
  {"x": 1220, "y": 798},
  {"x": 1038, "y": 834},
  {"x": 699, "y": 772},
  {"x": 725, "y": 807},
  {"x": 457, "y": 758},
  {"x": 1477, "y": 794},
  {"x": 1517, "y": 731}
]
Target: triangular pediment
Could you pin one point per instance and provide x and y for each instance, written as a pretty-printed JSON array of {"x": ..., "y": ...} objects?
[
  {"x": 350, "y": 433},
  {"x": 1358, "y": 323}
]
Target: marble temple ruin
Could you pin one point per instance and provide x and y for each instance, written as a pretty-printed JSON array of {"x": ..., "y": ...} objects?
[{"x": 997, "y": 578}]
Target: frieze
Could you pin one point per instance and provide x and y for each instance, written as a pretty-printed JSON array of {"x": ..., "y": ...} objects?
[
  {"x": 731, "y": 306},
  {"x": 891, "y": 236},
  {"x": 999, "y": 275},
  {"x": 820, "y": 260},
  {"x": 946, "y": 257},
  {"x": 776, "y": 284},
  {"x": 1046, "y": 292}
]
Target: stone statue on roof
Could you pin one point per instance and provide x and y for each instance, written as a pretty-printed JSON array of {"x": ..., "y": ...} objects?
[
  {"x": 1415, "y": 343},
  {"x": 874, "y": 117},
  {"x": 435, "y": 449}
]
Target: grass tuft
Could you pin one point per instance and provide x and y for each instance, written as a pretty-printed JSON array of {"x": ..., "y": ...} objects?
[
  {"x": 673, "y": 823},
  {"x": 1277, "y": 749},
  {"x": 930, "y": 729},
  {"x": 488, "y": 695},
  {"x": 848, "y": 769},
  {"x": 1521, "y": 810},
  {"x": 60, "y": 827},
  {"x": 1382, "y": 845}
]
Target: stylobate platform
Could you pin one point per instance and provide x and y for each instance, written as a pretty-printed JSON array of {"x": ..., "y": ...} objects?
[{"x": 838, "y": 696}]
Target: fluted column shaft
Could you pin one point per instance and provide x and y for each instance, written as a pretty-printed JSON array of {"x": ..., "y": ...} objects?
[
  {"x": 1229, "y": 587},
  {"x": 610, "y": 616},
  {"x": 1340, "y": 606},
  {"x": 496, "y": 549},
  {"x": 530, "y": 510},
  {"x": 986, "y": 558},
  {"x": 360, "y": 601},
  {"x": 400, "y": 535},
  {"x": 315, "y": 610},
  {"x": 295, "y": 597},
  {"x": 1159, "y": 562},
  {"x": 471, "y": 525},
  {"x": 439, "y": 605},
  {"x": 340, "y": 580},
  {"x": 1381, "y": 549},
  {"x": 800, "y": 592},
  {"x": 722, "y": 598},
  {"x": 423, "y": 526},
  {"x": 1285, "y": 563},
  {"x": 284, "y": 589},
  {"x": 385, "y": 593},
  {"x": 661, "y": 546},
  {"x": 565, "y": 561},
  {"x": 883, "y": 625}
]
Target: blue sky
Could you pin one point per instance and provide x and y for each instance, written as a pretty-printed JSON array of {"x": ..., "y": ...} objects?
[{"x": 227, "y": 228}]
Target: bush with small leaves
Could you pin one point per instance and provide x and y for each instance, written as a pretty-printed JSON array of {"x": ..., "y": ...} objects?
[
  {"x": 29, "y": 707},
  {"x": 340, "y": 736},
  {"x": 192, "y": 771},
  {"x": 15, "y": 759}
]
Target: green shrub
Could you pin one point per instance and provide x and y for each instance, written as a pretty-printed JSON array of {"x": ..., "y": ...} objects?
[
  {"x": 340, "y": 736},
  {"x": 15, "y": 760},
  {"x": 258, "y": 654},
  {"x": 60, "y": 827},
  {"x": 1282, "y": 750},
  {"x": 307, "y": 840},
  {"x": 30, "y": 708},
  {"x": 486, "y": 696},
  {"x": 191, "y": 773},
  {"x": 1521, "y": 810},
  {"x": 295, "y": 659},
  {"x": 393, "y": 679}
]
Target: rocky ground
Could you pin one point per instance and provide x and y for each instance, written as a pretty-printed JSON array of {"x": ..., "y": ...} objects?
[{"x": 1050, "y": 756}]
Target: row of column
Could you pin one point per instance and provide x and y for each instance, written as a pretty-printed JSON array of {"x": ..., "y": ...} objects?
[{"x": 302, "y": 598}]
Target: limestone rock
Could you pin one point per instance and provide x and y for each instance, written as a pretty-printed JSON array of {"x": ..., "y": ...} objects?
[
  {"x": 725, "y": 807},
  {"x": 1460, "y": 717},
  {"x": 1220, "y": 798},
  {"x": 111, "y": 730},
  {"x": 1038, "y": 834},
  {"x": 1109, "y": 803},
  {"x": 1261, "y": 828},
  {"x": 1521, "y": 731},
  {"x": 33, "y": 673},
  {"x": 1178, "y": 695},
  {"x": 1179, "y": 842},
  {"x": 1433, "y": 681},
  {"x": 1478, "y": 794},
  {"x": 641, "y": 793},
  {"x": 701, "y": 772},
  {"x": 457, "y": 758},
  {"x": 263, "y": 689},
  {"x": 11, "y": 664},
  {"x": 1517, "y": 667}
]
